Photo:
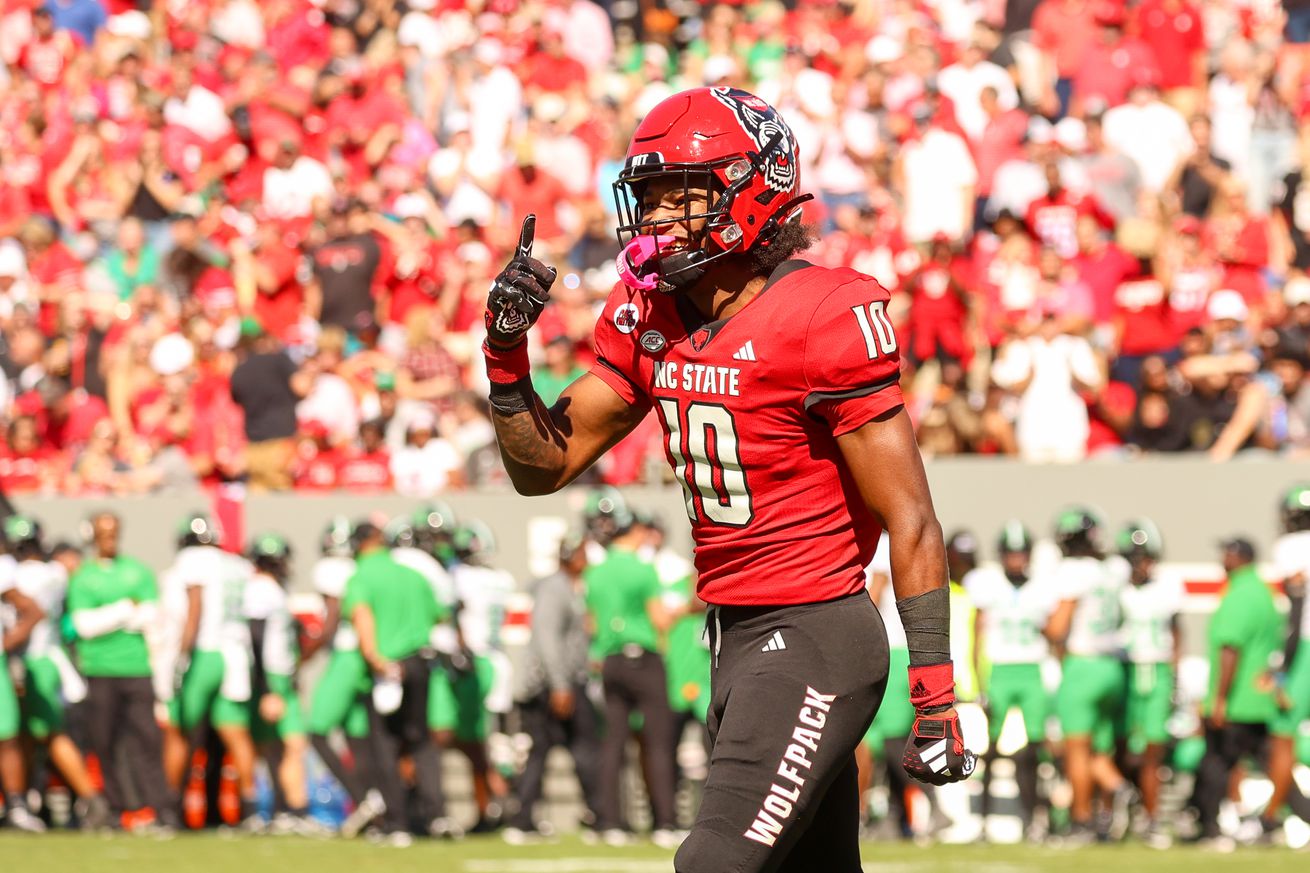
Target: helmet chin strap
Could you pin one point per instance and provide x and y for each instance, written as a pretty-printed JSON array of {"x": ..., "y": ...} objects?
[{"x": 682, "y": 270}]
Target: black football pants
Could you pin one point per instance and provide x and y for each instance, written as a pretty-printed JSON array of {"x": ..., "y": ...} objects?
[
  {"x": 405, "y": 731},
  {"x": 794, "y": 690},
  {"x": 1224, "y": 748},
  {"x": 636, "y": 682},
  {"x": 120, "y": 720},
  {"x": 579, "y": 734}
]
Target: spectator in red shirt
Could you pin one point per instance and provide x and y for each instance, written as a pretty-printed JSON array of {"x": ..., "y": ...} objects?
[
  {"x": 266, "y": 281},
  {"x": 939, "y": 308},
  {"x": 1064, "y": 30},
  {"x": 1239, "y": 241},
  {"x": 47, "y": 55},
  {"x": 1189, "y": 275},
  {"x": 1144, "y": 326},
  {"x": 417, "y": 275},
  {"x": 316, "y": 462},
  {"x": 364, "y": 123},
  {"x": 1113, "y": 64},
  {"x": 1175, "y": 32},
  {"x": 368, "y": 467},
  {"x": 1002, "y": 140},
  {"x": 1061, "y": 294},
  {"x": 1052, "y": 219},
  {"x": 529, "y": 189},
  {"x": 52, "y": 270},
  {"x": 1102, "y": 266},
  {"x": 26, "y": 463},
  {"x": 551, "y": 70}
]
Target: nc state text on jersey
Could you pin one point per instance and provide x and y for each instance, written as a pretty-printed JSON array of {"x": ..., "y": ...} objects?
[{"x": 697, "y": 378}]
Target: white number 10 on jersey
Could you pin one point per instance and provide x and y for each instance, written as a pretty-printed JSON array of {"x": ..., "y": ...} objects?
[
  {"x": 879, "y": 337},
  {"x": 709, "y": 468}
]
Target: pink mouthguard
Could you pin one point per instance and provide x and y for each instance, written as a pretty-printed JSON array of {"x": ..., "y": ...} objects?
[{"x": 636, "y": 255}]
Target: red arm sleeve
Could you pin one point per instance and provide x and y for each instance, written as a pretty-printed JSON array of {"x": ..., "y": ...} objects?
[{"x": 852, "y": 362}]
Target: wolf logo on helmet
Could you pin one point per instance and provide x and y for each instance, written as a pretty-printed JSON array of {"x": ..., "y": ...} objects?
[{"x": 769, "y": 132}]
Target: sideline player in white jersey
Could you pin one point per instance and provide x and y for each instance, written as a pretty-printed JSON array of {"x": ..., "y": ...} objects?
[
  {"x": 1151, "y": 600},
  {"x": 1291, "y": 558},
  {"x": 211, "y": 670},
  {"x": 1009, "y": 649},
  {"x": 478, "y": 683},
  {"x": 277, "y": 724},
  {"x": 339, "y": 695},
  {"x": 1085, "y": 629},
  {"x": 18, "y": 615},
  {"x": 49, "y": 678}
]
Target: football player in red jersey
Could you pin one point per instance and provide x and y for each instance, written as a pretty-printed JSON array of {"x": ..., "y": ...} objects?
[{"x": 776, "y": 383}]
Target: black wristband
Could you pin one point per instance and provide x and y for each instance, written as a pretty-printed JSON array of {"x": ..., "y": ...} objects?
[
  {"x": 512, "y": 398},
  {"x": 927, "y": 621}
]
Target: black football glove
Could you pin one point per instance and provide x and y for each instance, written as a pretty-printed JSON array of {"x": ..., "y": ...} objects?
[
  {"x": 935, "y": 751},
  {"x": 519, "y": 293}
]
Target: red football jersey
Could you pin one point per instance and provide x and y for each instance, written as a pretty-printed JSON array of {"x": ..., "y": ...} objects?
[{"x": 751, "y": 408}]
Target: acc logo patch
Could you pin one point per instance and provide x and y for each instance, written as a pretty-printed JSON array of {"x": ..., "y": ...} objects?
[
  {"x": 625, "y": 318},
  {"x": 652, "y": 341}
]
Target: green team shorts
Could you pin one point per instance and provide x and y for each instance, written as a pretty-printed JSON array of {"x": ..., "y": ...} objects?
[
  {"x": 1150, "y": 703},
  {"x": 1017, "y": 685},
  {"x": 1288, "y": 722},
  {"x": 291, "y": 724},
  {"x": 458, "y": 703},
  {"x": 9, "y": 715},
  {"x": 201, "y": 697},
  {"x": 895, "y": 717},
  {"x": 43, "y": 707},
  {"x": 336, "y": 701},
  {"x": 1091, "y": 698}
]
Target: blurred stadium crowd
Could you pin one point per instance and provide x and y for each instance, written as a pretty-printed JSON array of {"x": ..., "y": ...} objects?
[
  {"x": 251, "y": 241},
  {"x": 144, "y": 699}
]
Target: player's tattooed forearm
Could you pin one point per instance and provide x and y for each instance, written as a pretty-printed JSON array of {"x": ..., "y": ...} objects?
[{"x": 530, "y": 439}]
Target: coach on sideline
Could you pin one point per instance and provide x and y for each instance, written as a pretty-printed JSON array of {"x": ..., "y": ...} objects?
[
  {"x": 111, "y": 600},
  {"x": 1244, "y": 633}
]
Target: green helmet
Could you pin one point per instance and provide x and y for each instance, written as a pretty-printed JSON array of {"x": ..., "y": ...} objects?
[
  {"x": 335, "y": 542},
  {"x": 1139, "y": 539},
  {"x": 270, "y": 545},
  {"x": 23, "y": 534},
  {"x": 606, "y": 514},
  {"x": 197, "y": 530},
  {"x": 1295, "y": 508},
  {"x": 473, "y": 541},
  {"x": 1078, "y": 526},
  {"x": 1014, "y": 537},
  {"x": 436, "y": 517},
  {"x": 400, "y": 533}
]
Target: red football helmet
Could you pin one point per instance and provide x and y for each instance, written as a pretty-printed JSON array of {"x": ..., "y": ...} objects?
[{"x": 729, "y": 142}]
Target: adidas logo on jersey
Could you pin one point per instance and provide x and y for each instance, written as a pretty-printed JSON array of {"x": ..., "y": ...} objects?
[
  {"x": 745, "y": 353},
  {"x": 775, "y": 643}
]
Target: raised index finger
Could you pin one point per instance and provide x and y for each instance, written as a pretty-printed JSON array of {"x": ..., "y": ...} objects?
[{"x": 525, "y": 236}]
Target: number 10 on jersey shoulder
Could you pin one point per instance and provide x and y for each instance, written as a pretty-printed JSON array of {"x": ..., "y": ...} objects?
[{"x": 706, "y": 460}]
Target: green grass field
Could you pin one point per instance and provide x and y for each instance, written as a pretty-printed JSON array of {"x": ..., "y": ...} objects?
[{"x": 216, "y": 854}]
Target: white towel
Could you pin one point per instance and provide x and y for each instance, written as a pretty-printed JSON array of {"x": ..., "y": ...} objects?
[
  {"x": 71, "y": 682},
  {"x": 236, "y": 672}
]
